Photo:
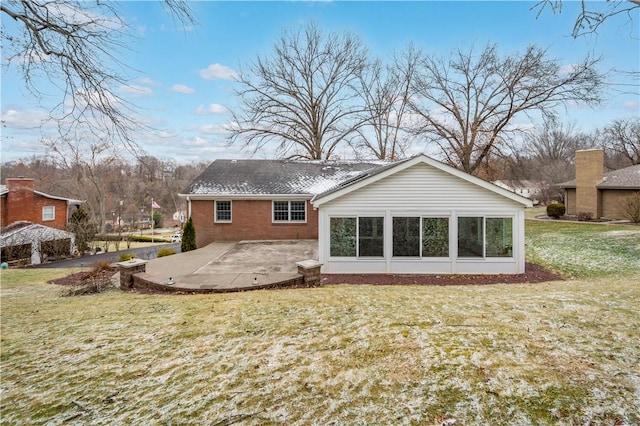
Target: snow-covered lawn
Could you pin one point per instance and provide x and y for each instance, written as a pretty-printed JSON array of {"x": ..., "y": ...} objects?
[
  {"x": 555, "y": 353},
  {"x": 584, "y": 250}
]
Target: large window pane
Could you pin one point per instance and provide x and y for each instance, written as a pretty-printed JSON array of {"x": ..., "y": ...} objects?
[
  {"x": 370, "y": 236},
  {"x": 280, "y": 211},
  {"x": 435, "y": 237},
  {"x": 470, "y": 237},
  {"x": 342, "y": 236},
  {"x": 499, "y": 237},
  {"x": 298, "y": 211},
  {"x": 406, "y": 236}
]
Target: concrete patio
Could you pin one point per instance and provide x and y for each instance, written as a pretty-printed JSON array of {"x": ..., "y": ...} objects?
[{"x": 235, "y": 266}]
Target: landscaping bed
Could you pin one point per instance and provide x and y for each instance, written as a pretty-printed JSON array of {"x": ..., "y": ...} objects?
[{"x": 533, "y": 274}]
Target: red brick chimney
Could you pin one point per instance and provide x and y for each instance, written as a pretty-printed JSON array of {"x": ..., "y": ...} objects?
[
  {"x": 20, "y": 183},
  {"x": 589, "y": 173}
]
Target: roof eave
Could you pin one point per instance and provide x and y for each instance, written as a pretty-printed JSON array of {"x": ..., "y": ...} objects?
[{"x": 211, "y": 197}]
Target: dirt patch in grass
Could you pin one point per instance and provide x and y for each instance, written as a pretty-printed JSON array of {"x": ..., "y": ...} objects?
[{"x": 533, "y": 274}]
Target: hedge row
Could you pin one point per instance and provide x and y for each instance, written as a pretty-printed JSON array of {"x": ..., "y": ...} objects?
[{"x": 136, "y": 238}]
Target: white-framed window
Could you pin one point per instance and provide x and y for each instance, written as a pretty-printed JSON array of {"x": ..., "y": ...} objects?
[
  {"x": 485, "y": 236},
  {"x": 223, "y": 211},
  {"x": 289, "y": 211},
  {"x": 356, "y": 236},
  {"x": 48, "y": 213},
  {"x": 420, "y": 236}
]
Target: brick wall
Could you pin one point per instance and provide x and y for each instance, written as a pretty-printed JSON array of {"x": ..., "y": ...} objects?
[
  {"x": 589, "y": 173},
  {"x": 251, "y": 220},
  {"x": 21, "y": 203},
  {"x": 612, "y": 200},
  {"x": 570, "y": 201}
]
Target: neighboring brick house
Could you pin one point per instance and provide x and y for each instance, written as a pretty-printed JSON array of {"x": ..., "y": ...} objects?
[
  {"x": 595, "y": 192},
  {"x": 21, "y": 202},
  {"x": 33, "y": 223}
]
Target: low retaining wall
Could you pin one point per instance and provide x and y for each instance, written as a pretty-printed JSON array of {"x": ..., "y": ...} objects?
[{"x": 144, "y": 281}]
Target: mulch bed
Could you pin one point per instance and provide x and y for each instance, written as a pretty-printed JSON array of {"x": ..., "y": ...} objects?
[
  {"x": 80, "y": 278},
  {"x": 533, "y": 274}
]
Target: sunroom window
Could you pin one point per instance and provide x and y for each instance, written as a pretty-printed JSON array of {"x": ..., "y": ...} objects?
[
  {"x": 356, "y": 237},
  {"x": 342, "y": 237},
  {"x": 406, "y": 237},
  {"x": 435, "y": 237},
  {"x": 485, "y": 237},
  {"x": 499, "y": 237},
  {"x": 370, "y": 236}
]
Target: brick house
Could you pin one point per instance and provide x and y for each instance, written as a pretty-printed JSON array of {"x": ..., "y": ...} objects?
[
  {"x": 235, "y": 200},
  {"x": 33, "y": 223},
  {"x": 21, "y": 202},
  {"x": 595, "y": 191},
  {"x": 411, "y": 216}
]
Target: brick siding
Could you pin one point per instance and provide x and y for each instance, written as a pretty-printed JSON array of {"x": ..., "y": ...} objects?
[
  {"x": 251, "y": 220},
  {"x": 589, "y": 173},
  {"x": 22, "y": 203}
]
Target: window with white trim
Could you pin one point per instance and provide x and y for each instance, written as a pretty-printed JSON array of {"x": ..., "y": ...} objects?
[
  {"x": 420, "y": 236},
  {"x": 356, "y": 236},
  {"x": 48, "y": 213},
  {"x": 485, "y": 237},
  {"x": 223, "y": 211},
  {"x": 289, "y": 211}
]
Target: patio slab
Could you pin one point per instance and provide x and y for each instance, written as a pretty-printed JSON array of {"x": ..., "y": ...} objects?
[{"x": 223, "y": 267}]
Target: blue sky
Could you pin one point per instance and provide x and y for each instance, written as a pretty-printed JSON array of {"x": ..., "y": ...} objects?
[{"x": 181, "y": 77}]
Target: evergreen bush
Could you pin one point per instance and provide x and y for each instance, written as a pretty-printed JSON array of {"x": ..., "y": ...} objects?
[
  {"x": 188, "y": 237},
  {"x": 555, "y": 209}
]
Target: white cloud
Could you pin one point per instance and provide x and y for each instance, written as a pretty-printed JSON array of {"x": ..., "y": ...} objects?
[
  {"x": 146, "y": 81},
  {"x": 632, "y": 105},
  {"x": 27, "y": 119},
  {"x": 218, "y": 72},
  {"x": 136, "y": 90},
  {"x": 214, "y": 129},
  {"x": 211, "y": 109},
  {"x": 181, "y": 88}
]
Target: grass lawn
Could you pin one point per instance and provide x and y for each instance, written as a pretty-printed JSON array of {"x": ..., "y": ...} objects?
[{"x": 564, "y": 352}]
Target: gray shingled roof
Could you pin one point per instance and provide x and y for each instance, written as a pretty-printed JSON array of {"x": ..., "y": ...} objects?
[
  {"x": 269, "y": 177},
  {"x": 627, "y": 178}
]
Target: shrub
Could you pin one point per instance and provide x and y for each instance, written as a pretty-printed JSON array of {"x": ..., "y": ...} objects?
[
  {"x": 630, "y": 208},
  {"x": 97, "y": 280},
  {"x": 584, "y": 216},
  {"x": 555, "y": 209},
  {"x": 188, "y": 242},
  {"x": 126, "y": 256},
  {"x": 165, "y": 252}
]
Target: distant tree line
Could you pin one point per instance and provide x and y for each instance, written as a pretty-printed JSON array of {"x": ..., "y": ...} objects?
[{"x": 111, "y": 187}]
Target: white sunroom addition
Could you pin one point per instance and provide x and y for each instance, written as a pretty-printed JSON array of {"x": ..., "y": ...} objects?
[{"x": 421, "y": 216}]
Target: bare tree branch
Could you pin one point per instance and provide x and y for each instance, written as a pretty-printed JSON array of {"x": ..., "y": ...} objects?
[
  {"x": 304, "y": 96},
  {"x": 466, "y": 104},
  {"x": 75, "y": 46}
]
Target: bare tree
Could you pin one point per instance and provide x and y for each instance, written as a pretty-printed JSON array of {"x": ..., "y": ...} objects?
[
  {"x": 386, "y": 92},
  {"x": 304, "y": 97},
  {"x": 75, "y": 45},
  {"x": 590, "y": 18},
  {"x": 467, "y": 104},
  {"x": 623, "y": 138}
]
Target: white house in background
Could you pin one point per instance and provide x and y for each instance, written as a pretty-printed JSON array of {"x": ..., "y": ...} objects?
[
  {"x": 33, "y": 243},
  {"x": 527, "y": 188},
  {"x": 420, "y": 216}
]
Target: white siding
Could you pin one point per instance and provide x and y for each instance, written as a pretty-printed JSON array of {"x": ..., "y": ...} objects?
[{"x": 422, "y": 190}]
